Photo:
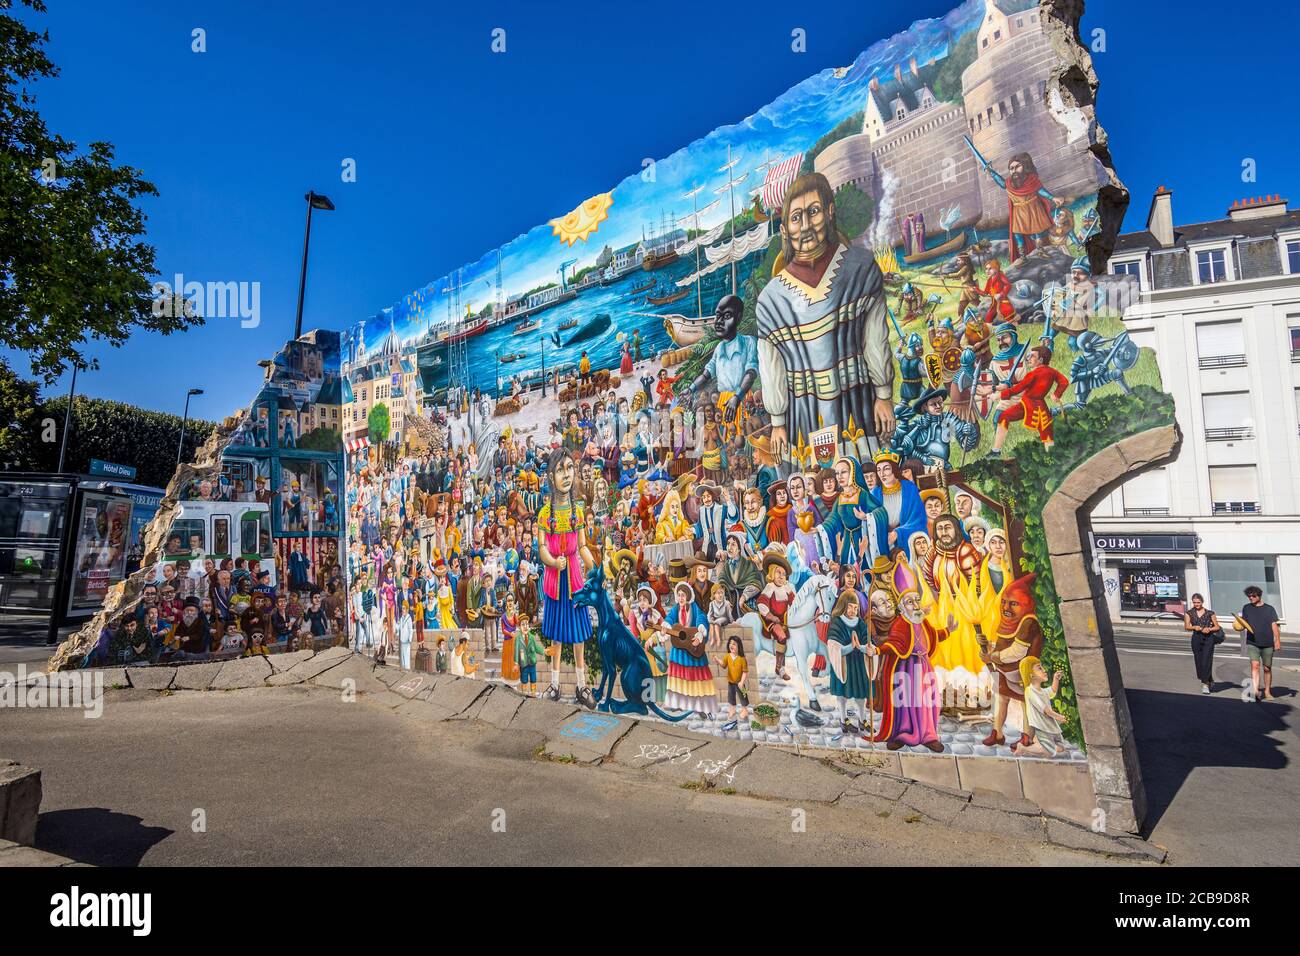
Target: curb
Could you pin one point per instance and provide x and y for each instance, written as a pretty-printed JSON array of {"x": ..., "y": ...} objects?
[{"x": 690, "y": 759}]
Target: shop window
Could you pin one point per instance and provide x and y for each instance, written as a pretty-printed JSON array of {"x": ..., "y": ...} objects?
[
  {"x": 1153, "y": 586},
  {"x": 1231, "y": 574}
]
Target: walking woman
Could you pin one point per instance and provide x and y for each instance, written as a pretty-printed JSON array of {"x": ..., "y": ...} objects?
[{"x": 1205, "y": 631}]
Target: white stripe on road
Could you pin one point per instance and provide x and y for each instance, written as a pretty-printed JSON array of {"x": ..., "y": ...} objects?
[{"x": 1217, "y": 657}]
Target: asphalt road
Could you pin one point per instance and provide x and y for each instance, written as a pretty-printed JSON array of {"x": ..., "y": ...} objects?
[
  {"x": 1222, "y": 775},
  {"x": 297, "y": 776}
]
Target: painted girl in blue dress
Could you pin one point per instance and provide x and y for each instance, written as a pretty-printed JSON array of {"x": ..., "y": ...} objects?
[{"x": 565, "y": 552}]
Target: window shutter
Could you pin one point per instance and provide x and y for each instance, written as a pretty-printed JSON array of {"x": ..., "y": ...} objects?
[{"x": 1220, "y": 338}]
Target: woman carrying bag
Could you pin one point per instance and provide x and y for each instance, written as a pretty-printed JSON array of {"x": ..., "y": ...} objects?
[{"x": 1206, "y": 634}]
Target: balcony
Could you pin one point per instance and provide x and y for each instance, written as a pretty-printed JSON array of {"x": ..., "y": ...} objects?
[
  {"x": 1237, "y": 508},
  {"x": 1229, "y": 434},
  {"x": 1146, "y": 512},
  {"x": 1222, "y": 361}
]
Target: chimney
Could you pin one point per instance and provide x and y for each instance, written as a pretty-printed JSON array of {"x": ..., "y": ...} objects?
[
  {"x": 1160, "y": 220},
  {"x": 912, "y": 63},
  {"x": 1261, "y": 207},
  {"x": 898, "y": 72}
]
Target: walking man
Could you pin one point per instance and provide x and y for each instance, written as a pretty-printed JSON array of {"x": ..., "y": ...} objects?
[{"x": 1263, "y": 637}]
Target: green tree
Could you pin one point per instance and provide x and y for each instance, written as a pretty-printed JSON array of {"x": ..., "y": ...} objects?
[
  {"x": 853, "y": 210},
  {"x": 73, "y": 266},
  {"x": 18, "y": 399},
  {"x": 379, "y": 423},
  {"x": 110, "y": 431}
]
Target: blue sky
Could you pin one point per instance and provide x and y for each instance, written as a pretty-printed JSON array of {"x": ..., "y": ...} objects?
[{"x": 459, "y": 150}]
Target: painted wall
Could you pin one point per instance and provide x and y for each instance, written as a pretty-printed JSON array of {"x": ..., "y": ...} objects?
[{"x": 918, "y": 357}]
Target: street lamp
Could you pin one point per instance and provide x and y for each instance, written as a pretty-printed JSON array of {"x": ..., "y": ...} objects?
[
  {"x": 181, "y": 444},
  {"x": 67, "y": 418},
  {"x": 314, "y": 201}
]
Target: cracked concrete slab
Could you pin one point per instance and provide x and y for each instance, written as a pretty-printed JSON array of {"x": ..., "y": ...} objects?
[
  {"x": 245, "y": 672},
  {"x": 769, "y": 772},
  {"x": 356, "y": 674},
  {"x": 664, "y": 750},
  {"x": 587, "y": 736},
  {"x": 151, "y": 678},
  {"x": 283, "y": 662},
  {"x": 306, "y": 670},
  {"x": 197, "y": 676},
  {"x": 541, "y": 716}
]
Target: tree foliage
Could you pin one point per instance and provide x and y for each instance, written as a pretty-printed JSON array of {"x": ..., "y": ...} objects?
[
  {"x": 379, "y": 423},
  {"x": 110, "y": 431},
  {"x": 73, "y": 265}
]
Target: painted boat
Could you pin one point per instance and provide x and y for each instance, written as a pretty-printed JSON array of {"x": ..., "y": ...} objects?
[
  {"x": 466, "y": 333},
  {"x": 667, "y": 299},
  {"x": 596, "y": 325},
  {"x": 524, "y": 327},
  {"x": 571, "y": 324},
  {"x": 687, "y": 330},
  {"x": 642, "y": 288},
  {"x": 657, "y": 260},
  {"x": 954, "y": 245}
]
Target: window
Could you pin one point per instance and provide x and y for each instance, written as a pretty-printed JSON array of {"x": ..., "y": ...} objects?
[
  {"x": 1210, "y": 266},
  {"x": 1220, "y": 344},
  {"x": 187, "y": 538},
  {"x": 1293, "y": 257},
  {"x": 1230, "y": 575},
  {"x": 1295, "y": 343},
  {"x": 1147, "y": 495},
  {"x": 221, "y": 536},
  {"x": 1227, "y": 416},
  {"x": 1234, "y": 489},
  {"x": 1133, "y": 268}
]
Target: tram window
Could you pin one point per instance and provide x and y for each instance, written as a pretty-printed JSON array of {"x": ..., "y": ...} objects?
[{"x": 220, "y": 535}]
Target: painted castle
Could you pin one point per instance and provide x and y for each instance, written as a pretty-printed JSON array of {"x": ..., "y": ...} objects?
[{"x": 911, "y": 157}]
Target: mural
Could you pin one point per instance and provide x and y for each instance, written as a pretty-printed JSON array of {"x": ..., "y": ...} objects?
[
  {"x": 759, "y": 439},
  {"x": 249, "y": 563}
]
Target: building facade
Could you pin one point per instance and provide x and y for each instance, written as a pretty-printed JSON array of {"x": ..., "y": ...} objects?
[{"x": 1220, "y": 305}]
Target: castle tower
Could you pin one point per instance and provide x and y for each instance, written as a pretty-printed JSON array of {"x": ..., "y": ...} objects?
[{"x": 1005, "y": 92}]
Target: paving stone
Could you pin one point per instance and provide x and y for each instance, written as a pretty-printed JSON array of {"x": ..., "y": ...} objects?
[
  {"x": 995, "y": 776},
  {"x": 355, "y": 674},
  {"x": 151, "y": 678},
  {"x": 541, "y": 716},
  {"x": 114, "y": 676},
  {"x": 11, "y": 854},
  {"x": 412, "y": 685},
  {"x": 20, "y": 803},
  {"x": 1081, "y": 838},
  {"x": 306, "y": 670},
  {"x": 768, "y": 772},
  {"x": 1059, "y": 787},
  {"x": 879, "y": 785},
  {"x": 283, "y": 662},
  {"x": 868, "y": 802},
  {"x": 197, "y": 676},
  {"x": 991, "y": 800},
  {"x": 673, "y": 753},
  {"x": 938, "y": 770},
  {"x": 499, "y": 707},
  {"x": 455, "y": 694},
  {"x": 988, "y": 820},
  {"x": 940, "y": 805},
  {"x": 244, "y": 672},
  {"x": 587, "y": 736}
]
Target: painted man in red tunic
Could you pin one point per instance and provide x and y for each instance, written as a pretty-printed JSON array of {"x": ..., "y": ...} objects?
[
  {"x": 1040, "y": 380},
  {"x": 1019, "y": 636},
  {"x": 998, "y": 288}
]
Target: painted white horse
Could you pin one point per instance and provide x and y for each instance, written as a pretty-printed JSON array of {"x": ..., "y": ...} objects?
[{"x": 812, "y": 602}]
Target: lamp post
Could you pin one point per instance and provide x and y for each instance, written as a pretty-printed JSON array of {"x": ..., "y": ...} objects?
[
  {"x": 67, "y": 418},
  {"x": 314, "y": 201},
  {"x": 185, "y": 419}
]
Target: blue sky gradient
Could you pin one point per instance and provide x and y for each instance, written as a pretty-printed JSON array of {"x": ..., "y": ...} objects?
[{"x": 458, "y": 149}]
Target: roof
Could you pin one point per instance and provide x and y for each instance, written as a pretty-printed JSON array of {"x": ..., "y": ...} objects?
[
  {"x": 1208, "y": 231},
  {"x": 908, "y": 89},
  {"x": 1009, "y": 7}
]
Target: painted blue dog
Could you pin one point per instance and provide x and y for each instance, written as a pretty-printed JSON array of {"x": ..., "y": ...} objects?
[{"x": 621, "y": 655}]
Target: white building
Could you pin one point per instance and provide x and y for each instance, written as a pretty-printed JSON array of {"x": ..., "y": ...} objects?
[{"x": 1220, "y": 305}]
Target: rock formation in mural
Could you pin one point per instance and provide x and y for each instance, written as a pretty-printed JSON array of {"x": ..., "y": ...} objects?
[{"x": 795, "y": 403}]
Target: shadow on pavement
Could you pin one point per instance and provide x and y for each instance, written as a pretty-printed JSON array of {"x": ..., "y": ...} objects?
[
  {"x": 97, "y": 836},
  {"x": 1177, "y": 733}
]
